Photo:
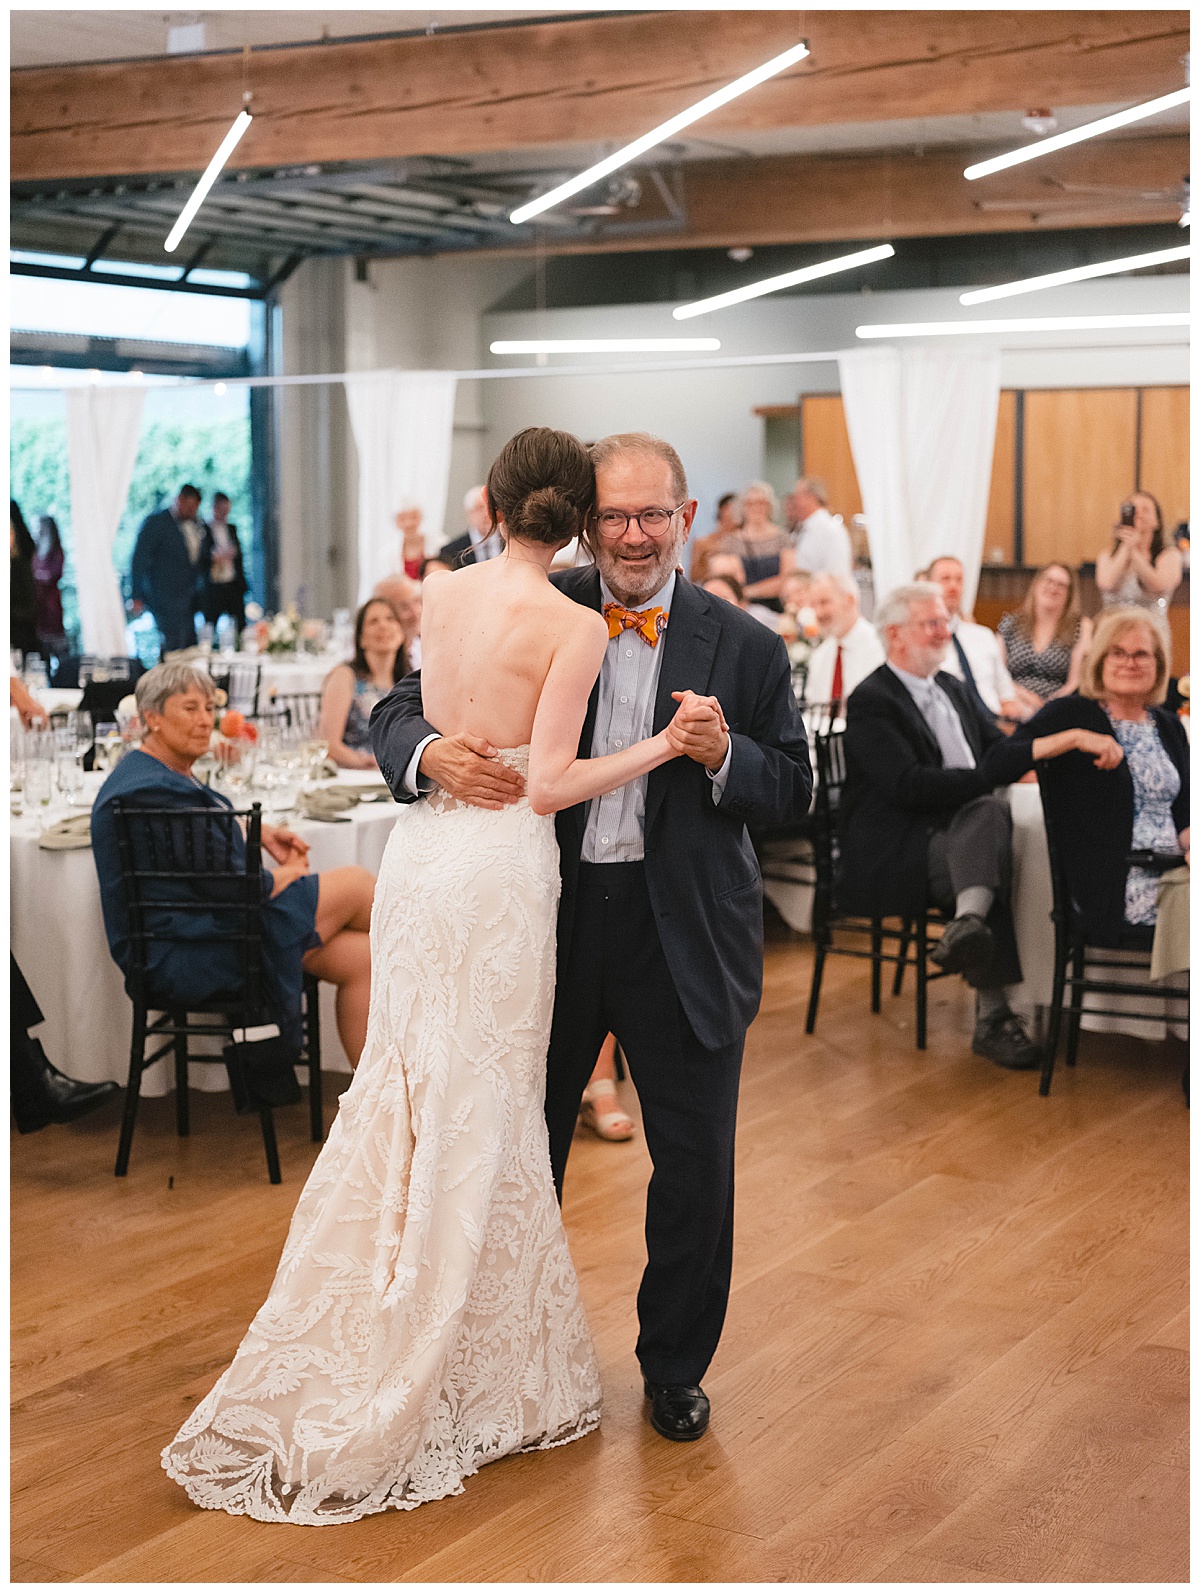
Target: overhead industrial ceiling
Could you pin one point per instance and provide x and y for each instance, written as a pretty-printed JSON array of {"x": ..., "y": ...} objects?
[{"x": 422, "y": 137}]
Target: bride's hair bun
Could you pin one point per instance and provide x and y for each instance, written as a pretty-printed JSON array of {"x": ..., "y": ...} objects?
[{"x": 542, "y": 485}]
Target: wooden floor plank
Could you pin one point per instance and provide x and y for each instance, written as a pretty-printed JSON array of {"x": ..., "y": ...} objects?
[{"x": 956, "y": 1347}]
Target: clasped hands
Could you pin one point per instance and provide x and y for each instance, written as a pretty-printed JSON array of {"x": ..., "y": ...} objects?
[
  {"x": 289, "y": 851},
  {"x": 698, "y": 730}
]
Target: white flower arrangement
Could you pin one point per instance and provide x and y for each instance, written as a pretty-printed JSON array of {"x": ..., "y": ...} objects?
[{"x": 283, "y": 631}]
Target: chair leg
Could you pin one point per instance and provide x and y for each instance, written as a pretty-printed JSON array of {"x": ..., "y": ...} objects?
[
  {"x": 312, "y": 1023},
  {"x": 876, "y": 963},
  {"x": 182, "y": 1123},
  {"x": 270, "y": 1146},
  {"x": 1056, "y": 1014},
  {"x": 922, "y": 967},
  {"x": 137, "y": 1053},
  {"x": 814, "y": 990},
  {"x": 1075, "y": 1017},
  {"x": 902, "y": 957}
]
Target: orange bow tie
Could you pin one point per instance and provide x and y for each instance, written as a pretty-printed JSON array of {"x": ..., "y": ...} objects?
[{"x": 649, "y": 623}]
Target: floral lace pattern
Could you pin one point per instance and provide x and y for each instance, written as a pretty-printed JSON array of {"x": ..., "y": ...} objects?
[{"x": 425, "y": 1317}]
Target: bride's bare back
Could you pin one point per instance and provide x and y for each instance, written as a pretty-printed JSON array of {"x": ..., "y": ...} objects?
[{"x": 488, "y": 635}]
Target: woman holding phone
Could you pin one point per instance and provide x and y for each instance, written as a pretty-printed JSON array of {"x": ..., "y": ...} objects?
[{"x": 1139, "y": 568}]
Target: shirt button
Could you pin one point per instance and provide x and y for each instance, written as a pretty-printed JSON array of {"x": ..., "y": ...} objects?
[
  {"x": 618, "y": 743},
  {"x": 624, "y": 699},
  {"x": 629, "y": 652},
  {"x": 604, "y": 840}
]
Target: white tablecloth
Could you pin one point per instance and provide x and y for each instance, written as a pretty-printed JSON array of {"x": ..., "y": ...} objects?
[
  {"x": 58, "y": 939},
  {"x": 302, "y": 673}
]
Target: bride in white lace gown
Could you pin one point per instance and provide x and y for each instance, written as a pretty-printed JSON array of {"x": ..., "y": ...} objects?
[{"x": 425, "y": 1316}]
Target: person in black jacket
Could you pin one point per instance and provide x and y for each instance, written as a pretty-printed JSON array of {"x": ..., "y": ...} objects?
[
  {"x": 920, "y": 822},
  {"x": 170, "y": 568},
  {"x": 660, "y": 917},
  {"x": 22, "y": 589},
  {"x": 225, "y": 583},
  {"x": 1102, "y": 814},
  {"x": 39, "y": 1093},
  {"x": 480, "y": 541}
]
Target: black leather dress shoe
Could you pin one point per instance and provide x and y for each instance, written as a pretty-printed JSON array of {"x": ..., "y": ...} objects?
[
  {"x": 678, "y": 1411},
  {"x": 1005, "y": 1042},
  {"x": 966, "y": 945},
  {"x": 43, "y": 1095}
]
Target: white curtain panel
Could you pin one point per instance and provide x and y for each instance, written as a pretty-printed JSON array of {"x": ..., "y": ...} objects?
[
  {"x": 922, "y": 425},
  {"x": 403, "y": 423},
  {"x": 103, "y": 428}
]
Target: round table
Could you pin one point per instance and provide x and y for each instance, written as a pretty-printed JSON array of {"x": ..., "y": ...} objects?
[{"x": 57, "y": 937}]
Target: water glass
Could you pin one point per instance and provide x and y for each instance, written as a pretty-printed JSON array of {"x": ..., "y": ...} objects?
[
  {"x": 226, "y": 633},
  {"x": 36, "y": 677},
  {"x": 39, "y": 777},
  {"x": 16, "y": 764},
  {"x": 108, "y": 746}
]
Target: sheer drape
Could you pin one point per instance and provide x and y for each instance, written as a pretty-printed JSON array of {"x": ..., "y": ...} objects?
[
  {"x": 102, "y": 444},
  {"x": 922, "y": 425},
  {"x": 403, "y": 423}
]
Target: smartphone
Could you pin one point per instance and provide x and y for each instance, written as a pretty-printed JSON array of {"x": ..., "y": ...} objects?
[{"x": 1127, "y": 514}]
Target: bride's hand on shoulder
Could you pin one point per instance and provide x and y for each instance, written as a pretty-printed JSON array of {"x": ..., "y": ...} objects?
[{"x": 698, "y": 729}]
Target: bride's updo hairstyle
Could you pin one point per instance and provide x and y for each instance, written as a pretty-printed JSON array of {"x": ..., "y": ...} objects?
[{"x": 542, "y": 486}]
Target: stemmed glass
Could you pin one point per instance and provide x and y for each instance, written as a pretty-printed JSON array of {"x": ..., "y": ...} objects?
[
  {"x": 79, "y": 728},
  {"x": 16, "y": 765},
  {"x": 40, "y": 750}
]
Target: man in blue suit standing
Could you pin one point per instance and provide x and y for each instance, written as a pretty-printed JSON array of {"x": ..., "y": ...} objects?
[{"x": 170, "y": 568}]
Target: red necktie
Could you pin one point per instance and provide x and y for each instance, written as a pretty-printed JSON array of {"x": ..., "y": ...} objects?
[{"x": 836, "y": 690}]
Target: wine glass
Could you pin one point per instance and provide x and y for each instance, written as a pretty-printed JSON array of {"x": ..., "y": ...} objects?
[
  {"x": 16, "y": 765},
  {"x": 108, "y": 746}
]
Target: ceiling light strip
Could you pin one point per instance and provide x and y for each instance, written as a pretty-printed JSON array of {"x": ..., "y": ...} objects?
[
  {"x": 1055, "y": 279},
  {"x": 657, "y": 135},
  {"x": 1106, "y": 124},
  {"x": 1045, "y": 323},
  {"x": 606, "y": 345},
  {"x": 789, "y": 279},
  {"x": 212, "y": 171}
]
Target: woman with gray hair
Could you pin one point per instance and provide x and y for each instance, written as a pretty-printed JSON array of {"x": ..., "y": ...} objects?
[
  {"x": 317, "y": 923},
  {"x": 764, "y": 547}
]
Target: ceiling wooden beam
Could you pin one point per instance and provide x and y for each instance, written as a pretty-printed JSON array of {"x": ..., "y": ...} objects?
[
  {"x": 818, "y": 198},
  {"x": 589, "y": 79}
]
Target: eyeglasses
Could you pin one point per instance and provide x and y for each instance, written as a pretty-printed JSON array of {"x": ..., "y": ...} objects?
[
  {"x": 1142, "y": 656},
  {"x": 613, "y": 523},
  {"x": 931, "y": 626}
]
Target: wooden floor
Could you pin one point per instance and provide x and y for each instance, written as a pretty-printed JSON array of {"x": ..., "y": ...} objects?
[{"x": 956, "y": 1348}]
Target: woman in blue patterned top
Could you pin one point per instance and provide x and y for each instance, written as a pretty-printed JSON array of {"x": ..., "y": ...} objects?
[
  {"x": 352, "y": 690},
  {"x": 1102, "y": 816}
]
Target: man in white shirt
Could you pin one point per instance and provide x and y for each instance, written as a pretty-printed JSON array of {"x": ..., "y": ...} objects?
[
  {"x": 974, "y": 655},
  {"x": 822, "y": 541},
  {"x": 479, "y": 542},
  {"x": 851, "y": 648}
]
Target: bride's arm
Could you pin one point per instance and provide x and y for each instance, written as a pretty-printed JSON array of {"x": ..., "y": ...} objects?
[{"x": 557, "y": 777}]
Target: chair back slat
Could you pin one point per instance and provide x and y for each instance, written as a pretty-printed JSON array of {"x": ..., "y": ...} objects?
[
  {"x": 827, "y": 803},
  {"x": 303, "y": 708}
]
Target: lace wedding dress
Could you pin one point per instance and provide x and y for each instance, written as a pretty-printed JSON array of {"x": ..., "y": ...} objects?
[{"x": 425, "y": 1318}]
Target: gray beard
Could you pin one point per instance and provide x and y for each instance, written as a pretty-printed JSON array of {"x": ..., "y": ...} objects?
[{"x": 656, "y": 577}]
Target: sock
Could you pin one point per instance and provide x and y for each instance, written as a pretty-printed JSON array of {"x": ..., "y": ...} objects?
[
  {"x": 990, "y": 1004},
  {"x": 975, "y": 899}
]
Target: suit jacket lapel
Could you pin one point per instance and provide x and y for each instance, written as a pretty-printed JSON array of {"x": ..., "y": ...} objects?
[
  {"x": 915, "y": 717},
  {"x": 689, "y": 647}
]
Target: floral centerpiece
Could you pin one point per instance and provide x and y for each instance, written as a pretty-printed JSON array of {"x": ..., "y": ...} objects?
[{"x": 280, "y": 633}]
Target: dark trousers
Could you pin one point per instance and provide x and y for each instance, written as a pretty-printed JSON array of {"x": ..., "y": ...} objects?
[
  {"x": 616, "y": 979},
  {"x": 975, "y": 848}
]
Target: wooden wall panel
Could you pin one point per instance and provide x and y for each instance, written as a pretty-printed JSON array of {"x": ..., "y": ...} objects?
[
  {"x": 1080, "y": 449},
  {"x": 998, "y": 536},
  {"x": 826, "y": 452},
  {"x": 1165, "y": 440}
]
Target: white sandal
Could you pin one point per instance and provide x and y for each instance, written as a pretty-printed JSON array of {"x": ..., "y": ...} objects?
[{"x": 616, "y": 1125}]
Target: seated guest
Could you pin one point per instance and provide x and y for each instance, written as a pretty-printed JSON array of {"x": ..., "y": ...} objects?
[
  {"x": 405, "y": 597},
  {"x": 480, "y": 541},
  {"x": 1140, "y": 567},
  {"x": 729, "y": 519},
  {"x": 850, "y": 649},
  {"x": 797, "y": 618},
  {"x": 352, "y": 690},
  {"x": 821, "y": 540},
  {"x": 1102, "y": 810},
  {"x": 1045, "y": 639},
  {"x": 314, "y": 922},
  {"x": 921, "y": 823},
  {"x": 764, "y": 548},
  {"x": 412, "y": 542},
  {"x": 731, "y": 589},
  {"x": 975, "y": 656}
]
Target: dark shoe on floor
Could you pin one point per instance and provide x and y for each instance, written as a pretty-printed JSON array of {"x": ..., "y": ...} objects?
[
  {"x": 678, "y": 1411},
  {"x": 42, "y": 1095},
  {"x": 966, "y": 945},
  {"x": 1003, "y": 1040}
]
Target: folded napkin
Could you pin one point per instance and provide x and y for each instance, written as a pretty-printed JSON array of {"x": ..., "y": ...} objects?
[
  {"x": 68, "y": 835},
  {"x": 376, "y": 791},
  {"x": 1172, "y": 946},
  {"x": 327, "y": 802}
]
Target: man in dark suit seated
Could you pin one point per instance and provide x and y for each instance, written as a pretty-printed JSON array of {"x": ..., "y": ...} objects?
[
  {"x": 922, "y": 823},
  {"x": 479, "y": 542},
  {"x": 660, "y": 918},
  {"x": 170, "y": 568}
]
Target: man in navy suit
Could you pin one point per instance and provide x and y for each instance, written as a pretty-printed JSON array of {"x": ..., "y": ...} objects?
[
  {"x": 170, "y": 568},
  {"x": 660, "y": 918}
]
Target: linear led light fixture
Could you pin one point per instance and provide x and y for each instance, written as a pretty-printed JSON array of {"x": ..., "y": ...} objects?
[
  {"x": 606, "y": 345},
  {"x": 789, "y": 279},
  {"x": 1039, "y": 323},
  {"x": 657, "y": 135},
  {"x": 1054, "y": 279},
  {"x": 1106, "y": 124},
  {"x": 211, "y": 172}
]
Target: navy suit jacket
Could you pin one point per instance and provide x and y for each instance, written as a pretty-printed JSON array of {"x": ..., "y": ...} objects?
[
  {"x": 701, "y": 872},
  {"x": 163, "y": 577}
]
